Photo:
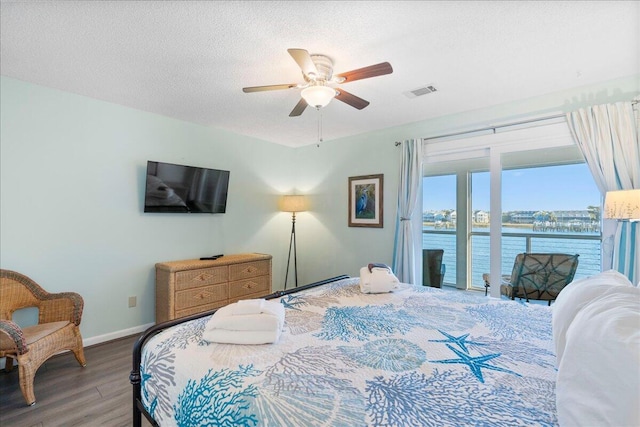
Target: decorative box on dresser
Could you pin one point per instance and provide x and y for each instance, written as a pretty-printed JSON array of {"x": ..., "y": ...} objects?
[{"x": 192, "y": 286}]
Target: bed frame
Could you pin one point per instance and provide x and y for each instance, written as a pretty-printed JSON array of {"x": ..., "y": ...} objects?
[{"x": 134, "y": 377}]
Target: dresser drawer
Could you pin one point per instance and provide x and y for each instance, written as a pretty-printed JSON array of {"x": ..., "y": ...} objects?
[
  {"x": 196, "y": 278},
  {"x": 254, "y": 285},
  {"x": 248, "y": 269},
  {"x": 201, "y": 296},
  {"x": 199, "y": 309}
]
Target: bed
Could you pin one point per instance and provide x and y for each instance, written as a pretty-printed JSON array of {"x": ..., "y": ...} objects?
[{"x": 418, "y": 356}]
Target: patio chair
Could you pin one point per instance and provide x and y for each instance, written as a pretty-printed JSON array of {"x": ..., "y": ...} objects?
[
  {"x": 57, "y": 330},
  {"x": 432, "y": 267},
  {"x": 538, "y": 276}
]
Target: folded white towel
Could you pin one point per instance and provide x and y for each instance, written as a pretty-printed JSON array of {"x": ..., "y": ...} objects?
[
  {"x": 241, "y": 337},
  {"x": 270, "y": 319},
  {"x": 248, "y": 306},
  {"x": 377, "y": 280}
]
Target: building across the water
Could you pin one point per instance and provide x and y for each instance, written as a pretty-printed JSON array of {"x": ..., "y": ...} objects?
[{"x": 552, "y": 221}]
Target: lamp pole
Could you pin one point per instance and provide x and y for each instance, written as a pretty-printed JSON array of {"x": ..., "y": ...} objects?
[{"x": 292, "y": 241}]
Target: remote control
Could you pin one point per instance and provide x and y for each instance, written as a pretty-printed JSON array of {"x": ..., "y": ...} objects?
[{"x": 214, "y": 257}]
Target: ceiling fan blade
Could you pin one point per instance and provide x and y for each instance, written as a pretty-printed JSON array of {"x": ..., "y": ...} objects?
[
  {"x": 270, "y": 87},
  {"x": 299, "y": 108},
  {"x": 304, "y": 61},
  {"x": 352, "y": 100},
  {"x": 367, "y": 72}
]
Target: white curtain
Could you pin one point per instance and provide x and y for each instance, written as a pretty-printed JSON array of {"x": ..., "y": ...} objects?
[
  {"x": 404, "y": 262},
  {"x": 608, "y": 137}
]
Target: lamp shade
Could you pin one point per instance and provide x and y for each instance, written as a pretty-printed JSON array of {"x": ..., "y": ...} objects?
[
  {"x": 293, "y": 203},
  {"x": 622, "y": 205},
  {"x": 318, "y": 96}
]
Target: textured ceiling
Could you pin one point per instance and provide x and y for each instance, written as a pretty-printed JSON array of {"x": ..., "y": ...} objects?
[{"x": 190, "y": 60}]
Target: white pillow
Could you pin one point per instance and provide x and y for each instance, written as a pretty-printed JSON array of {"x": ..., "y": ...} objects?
[
  {"x": 598, "y": 380},
  {"x": 574, "y": 297}
]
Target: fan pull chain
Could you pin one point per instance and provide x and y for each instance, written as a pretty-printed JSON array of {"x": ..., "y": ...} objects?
[{"x": 319, "y": 127}]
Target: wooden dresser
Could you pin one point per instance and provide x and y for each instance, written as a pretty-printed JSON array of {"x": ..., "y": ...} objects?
[{"x": 193, "y": 286}]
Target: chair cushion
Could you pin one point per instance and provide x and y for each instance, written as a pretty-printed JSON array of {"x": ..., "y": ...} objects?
[{"x": 33, "y": 334}]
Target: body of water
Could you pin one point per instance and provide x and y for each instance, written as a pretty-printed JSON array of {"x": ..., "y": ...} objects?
[{"x": 588, "y": 249}]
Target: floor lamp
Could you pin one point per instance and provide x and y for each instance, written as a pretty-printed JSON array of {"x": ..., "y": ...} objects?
[{"x": 293, "y": 204}]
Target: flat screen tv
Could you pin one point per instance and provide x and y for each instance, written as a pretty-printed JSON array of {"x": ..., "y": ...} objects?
[{"x": 185, "y": 189}]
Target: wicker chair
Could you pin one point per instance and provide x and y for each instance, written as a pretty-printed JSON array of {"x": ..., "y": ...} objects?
[
  {"x": 59, "y": 316},
  {"x": 538, "y": 276}
]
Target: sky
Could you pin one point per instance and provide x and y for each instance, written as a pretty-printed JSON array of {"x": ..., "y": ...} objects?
[{"x": 550, "y": 188}]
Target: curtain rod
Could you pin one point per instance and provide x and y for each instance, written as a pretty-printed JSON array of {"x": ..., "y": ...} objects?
[{"x": 494, "y": 128}]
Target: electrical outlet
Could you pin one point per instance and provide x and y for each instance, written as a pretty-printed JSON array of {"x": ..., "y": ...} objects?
[{"x": 132, "y": 301}]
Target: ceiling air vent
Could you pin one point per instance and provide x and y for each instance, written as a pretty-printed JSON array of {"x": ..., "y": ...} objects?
[{"x": 421, "y": 91}]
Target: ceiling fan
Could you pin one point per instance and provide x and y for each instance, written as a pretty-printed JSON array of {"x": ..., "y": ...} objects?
[{"x": 317, "y": 71}]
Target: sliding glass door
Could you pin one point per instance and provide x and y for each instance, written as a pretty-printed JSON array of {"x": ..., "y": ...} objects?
[
  {"x": 439, "y": 216},
  {"x": 549, "y": 203}
]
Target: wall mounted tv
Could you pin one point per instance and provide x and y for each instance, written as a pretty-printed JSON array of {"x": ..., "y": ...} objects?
[{"x": 185, "y": 189}]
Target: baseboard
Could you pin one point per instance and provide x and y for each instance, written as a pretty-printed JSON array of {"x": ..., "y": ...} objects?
[
  {"x": 104, "y": 338},
  {"x": 115, "y": 335}
]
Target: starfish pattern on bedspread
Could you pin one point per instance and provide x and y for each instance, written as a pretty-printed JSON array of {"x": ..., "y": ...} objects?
[
  {"x": 475, "y": 363},
  {"x": 460, "y": 341}
]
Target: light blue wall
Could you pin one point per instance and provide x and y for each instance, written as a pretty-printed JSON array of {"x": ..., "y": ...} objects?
[
  {"x": 72, "y": 180},
  {"x": 327, "y": 246}
]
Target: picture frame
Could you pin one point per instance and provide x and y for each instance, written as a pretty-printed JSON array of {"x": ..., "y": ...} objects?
[{"x": 366, "y": 201}]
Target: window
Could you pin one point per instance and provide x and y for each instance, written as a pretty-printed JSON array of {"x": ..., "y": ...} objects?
[
  {"x": 549, "y": 202},
  {"x": 439, "y": 201},
  {"x": 559, "y": 206}
]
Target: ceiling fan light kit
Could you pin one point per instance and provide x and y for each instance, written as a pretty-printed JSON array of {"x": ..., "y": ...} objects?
[
  {"x": 318, "y": 96},
  {"x": 317, "y": 71}
]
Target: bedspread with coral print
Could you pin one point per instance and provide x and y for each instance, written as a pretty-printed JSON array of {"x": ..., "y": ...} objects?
[{"x": 419, "y": 356}]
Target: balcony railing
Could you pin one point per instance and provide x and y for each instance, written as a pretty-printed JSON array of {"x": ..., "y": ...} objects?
[{"x": 586, "y": 245}]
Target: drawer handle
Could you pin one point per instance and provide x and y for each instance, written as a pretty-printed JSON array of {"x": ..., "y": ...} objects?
[
  {"x": 203, "y": 295},
  {"x": 249, "y": 285},
  {"x": 203, "y": 277}
]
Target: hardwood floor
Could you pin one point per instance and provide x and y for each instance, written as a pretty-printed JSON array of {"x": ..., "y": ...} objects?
[{"x": 69, "y": 395}]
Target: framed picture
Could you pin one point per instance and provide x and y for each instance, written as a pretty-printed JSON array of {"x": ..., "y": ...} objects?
[{"x": 365, "y": 201}]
